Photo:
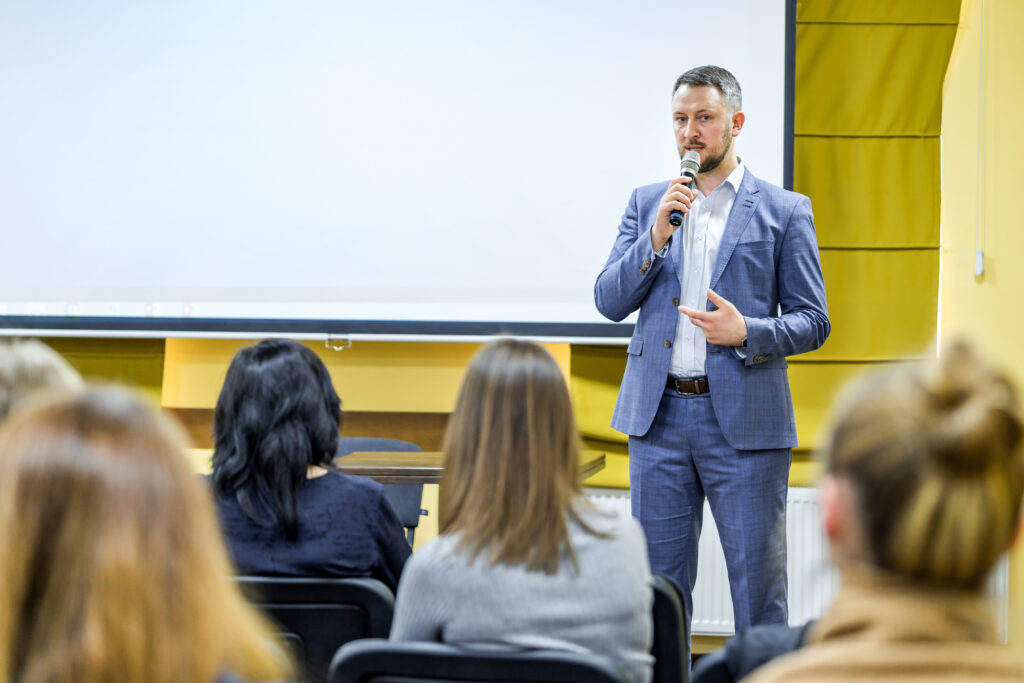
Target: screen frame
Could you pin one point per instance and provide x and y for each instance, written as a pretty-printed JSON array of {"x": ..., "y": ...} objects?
[{"x": 381, "y": 330}]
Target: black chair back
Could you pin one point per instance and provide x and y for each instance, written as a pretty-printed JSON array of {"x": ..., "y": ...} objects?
[
  {"x": 380, "y": 661},
  {"x": 670, "y": 637},
  {"x": 406, "y": 499},
  {"x": 318, "y": 615}
]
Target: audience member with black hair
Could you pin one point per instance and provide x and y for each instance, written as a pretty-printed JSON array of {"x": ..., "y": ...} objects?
[
  {"x": 283, "y": 510},
  {"x": 113, "y": 569},
  {"x": 522, "y": 560},
  {"x": 925, "y": 475}
]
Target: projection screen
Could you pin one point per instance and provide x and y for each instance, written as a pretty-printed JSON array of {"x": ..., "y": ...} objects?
[{"x": 437, "y": 168}]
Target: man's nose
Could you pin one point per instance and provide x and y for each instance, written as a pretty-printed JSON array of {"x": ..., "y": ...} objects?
[{"x": 690, "y": 131}]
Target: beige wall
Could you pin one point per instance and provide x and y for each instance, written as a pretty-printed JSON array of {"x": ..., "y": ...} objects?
[{"x": 982, "y": 178}]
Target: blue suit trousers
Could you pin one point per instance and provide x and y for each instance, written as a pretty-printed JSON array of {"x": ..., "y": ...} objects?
[{"x": 680, "y": 460}]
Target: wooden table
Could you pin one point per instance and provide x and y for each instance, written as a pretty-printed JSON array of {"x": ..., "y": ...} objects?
[{"x": 425, "y": 467}]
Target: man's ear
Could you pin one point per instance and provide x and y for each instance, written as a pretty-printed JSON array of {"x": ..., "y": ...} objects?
[
  {"x": 738, "y": 120},
  {"x": 1016, "y": 531},
  {"x": 833, "y": 497}
]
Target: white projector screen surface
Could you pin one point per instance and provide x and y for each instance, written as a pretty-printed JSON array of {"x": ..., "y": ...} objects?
[{"x": 167, "y": 164}]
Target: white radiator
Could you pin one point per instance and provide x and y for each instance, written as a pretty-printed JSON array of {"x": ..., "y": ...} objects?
[{"x": 812, "y": 580}]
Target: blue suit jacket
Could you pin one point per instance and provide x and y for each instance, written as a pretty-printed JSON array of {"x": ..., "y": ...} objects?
[{"x": 767, "y": 266}]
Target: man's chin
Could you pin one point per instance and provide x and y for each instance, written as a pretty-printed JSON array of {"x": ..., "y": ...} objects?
[{"x": 708, "y": 165}]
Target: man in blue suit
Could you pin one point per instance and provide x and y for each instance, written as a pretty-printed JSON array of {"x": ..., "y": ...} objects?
[{"x": 724, "y": 299}]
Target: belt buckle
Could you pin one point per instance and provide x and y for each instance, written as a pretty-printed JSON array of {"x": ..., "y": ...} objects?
[
  {"x": 694, "y": 383},
  {"x": 691, "y": 382}
]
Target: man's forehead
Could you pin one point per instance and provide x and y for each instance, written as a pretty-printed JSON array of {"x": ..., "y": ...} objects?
[{"x": 698, "y": 95}]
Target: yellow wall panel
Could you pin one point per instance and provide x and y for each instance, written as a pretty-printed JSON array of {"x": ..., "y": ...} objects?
[
  {"x": 814, "y": 387},
  {"x": 871, "y": 192},
  {"x": 369, "y": 376},
  {"x": 136, "y": 363},
  {"x": 596, "y": 376},
  {"x": 985, "y": 309},
  {"x": 879, "y": 11},
  {"x": 868, "y": 79},
  {"x": 882, "y": 303}
]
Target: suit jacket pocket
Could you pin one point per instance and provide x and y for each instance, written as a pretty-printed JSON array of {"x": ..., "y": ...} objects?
[
  {"x": 754, "y": 246},
  {"x": 636, "y": 346}
]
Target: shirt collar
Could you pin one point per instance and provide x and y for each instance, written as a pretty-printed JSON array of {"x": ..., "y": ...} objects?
[
  {"x": 736, "y": 177},
  {"x": 733, "y": 180}
]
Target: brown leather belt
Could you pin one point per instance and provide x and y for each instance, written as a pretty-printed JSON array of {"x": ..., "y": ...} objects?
[{"x": 688, "y": 387}]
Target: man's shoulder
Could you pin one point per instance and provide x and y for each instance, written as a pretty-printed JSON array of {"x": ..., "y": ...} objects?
[{"x": 772, "y": 192}]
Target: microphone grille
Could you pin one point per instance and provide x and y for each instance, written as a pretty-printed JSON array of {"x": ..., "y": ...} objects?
[{"x": 690, "y": 162}]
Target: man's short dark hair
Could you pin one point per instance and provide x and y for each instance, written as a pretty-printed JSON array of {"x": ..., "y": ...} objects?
[{"x": 714, "y": 77}]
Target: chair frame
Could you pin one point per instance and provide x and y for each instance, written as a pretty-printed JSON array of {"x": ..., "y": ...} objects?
[
  {"x": 292, "y": 602},
  {"x": 671, "y": 664},
  {"x": 369, "y": 661}
]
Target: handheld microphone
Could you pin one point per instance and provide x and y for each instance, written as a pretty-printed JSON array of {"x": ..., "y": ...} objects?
[{"x": 689, "y": 167}]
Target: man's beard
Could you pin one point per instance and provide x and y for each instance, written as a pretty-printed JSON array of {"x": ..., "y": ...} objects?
[{"x": 710, "y": 163}]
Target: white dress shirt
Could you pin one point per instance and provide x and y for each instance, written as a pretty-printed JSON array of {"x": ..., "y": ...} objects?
[{"x": 701, "y": 233}]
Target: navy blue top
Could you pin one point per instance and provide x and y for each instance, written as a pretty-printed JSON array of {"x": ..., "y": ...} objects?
[{"x": 346, "y": 528}]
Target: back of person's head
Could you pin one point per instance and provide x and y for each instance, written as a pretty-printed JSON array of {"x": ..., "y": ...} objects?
[
  {"x": 277, "y": 415},
  {"x": 933, "y": 457},
  {"x": 29, "y": 367},
  {"x": 511, "y": 455},
  {"x": 113, "y": 568}
]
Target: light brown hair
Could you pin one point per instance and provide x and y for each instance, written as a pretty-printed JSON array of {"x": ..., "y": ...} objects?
[
  {"x": 511, "y": 457},
  {"x": 29, "y": 367},
  {"x": 934, "y": 457},
  {"x": 113, "y": 568}
]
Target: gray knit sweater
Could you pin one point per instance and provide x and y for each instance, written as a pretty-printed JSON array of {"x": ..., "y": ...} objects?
[{"x": 604, "y": 607}]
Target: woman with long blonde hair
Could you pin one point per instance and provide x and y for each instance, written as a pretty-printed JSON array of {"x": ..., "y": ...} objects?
[
  {"x": 522, "y": 560},
  {"x": 112, "y": 567},
  {"x": 922, "y": 496}
]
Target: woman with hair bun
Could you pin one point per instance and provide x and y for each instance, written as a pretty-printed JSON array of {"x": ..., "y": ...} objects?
[
  {"x": 925, "y": 474},
  {"x": 113, "y": 569},
  {"x": 284, "y": 510},
  {"x": 522, "y": 560}
]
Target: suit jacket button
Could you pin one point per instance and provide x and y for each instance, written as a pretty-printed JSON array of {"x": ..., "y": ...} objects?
[
  {"x": 675, "y": 301},
  {"x": 668, "y": 344},
  {"x": 760, "y": 359}
]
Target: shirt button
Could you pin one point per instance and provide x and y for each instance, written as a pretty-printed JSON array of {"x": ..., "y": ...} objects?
[
  {"x": 668, "y": 344},
  {"x": 675, "y": 301}
]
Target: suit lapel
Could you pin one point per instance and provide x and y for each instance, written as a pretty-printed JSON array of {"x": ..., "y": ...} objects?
[{"x": 747, "y": 199}]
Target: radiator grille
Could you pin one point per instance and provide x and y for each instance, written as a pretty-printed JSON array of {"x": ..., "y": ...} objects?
[{"x": 812, "y": 580}]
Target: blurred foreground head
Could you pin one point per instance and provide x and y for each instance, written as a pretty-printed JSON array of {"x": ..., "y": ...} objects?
[
  {"x": 926, "y": 471},
  {"x": 113, "y": 568},
  {"x": 28, "y": 367}
]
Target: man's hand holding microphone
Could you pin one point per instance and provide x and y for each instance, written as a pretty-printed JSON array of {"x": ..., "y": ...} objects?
[{"x": 676, "y": 201}]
